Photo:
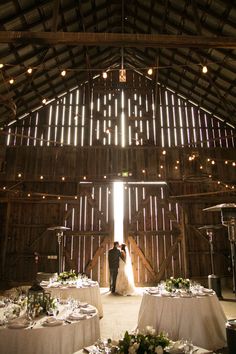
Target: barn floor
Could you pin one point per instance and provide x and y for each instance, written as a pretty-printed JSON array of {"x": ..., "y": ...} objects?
[{"x": 121, "y": 313}]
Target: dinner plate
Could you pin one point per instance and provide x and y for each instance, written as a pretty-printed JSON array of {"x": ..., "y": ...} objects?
[
  {"x": 53, "y": 323},
  {"x": 77, "y": 317},
  {"x": 18, "y": 325},
  {"x": 88, "y": 310}
]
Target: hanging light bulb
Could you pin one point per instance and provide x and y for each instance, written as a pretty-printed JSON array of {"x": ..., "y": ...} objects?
[
  {"x": 104, "y": 75},
  {"x": 1, "y": 65},
  {"x": 150, "y": 71},
  {"x": 29, "y": 71},
  {"x": 204, "y": 69},
  {"x": 63, "y": 73},
  {"x": 11, "y": 81}
]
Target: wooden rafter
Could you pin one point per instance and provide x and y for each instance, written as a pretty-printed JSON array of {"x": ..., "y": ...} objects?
[{"x": 117, "y": 39}]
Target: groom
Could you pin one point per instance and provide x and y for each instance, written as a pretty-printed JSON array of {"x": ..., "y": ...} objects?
[{"x": 113, "y": 259}]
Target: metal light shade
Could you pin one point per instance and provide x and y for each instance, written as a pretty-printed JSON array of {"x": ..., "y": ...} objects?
[{"x": 228, "y": 219}]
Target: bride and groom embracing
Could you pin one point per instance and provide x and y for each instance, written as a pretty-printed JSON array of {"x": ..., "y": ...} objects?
[{"x": 121, "y": 272}]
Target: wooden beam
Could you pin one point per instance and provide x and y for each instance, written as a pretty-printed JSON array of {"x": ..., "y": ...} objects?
[
  {"x": 117, "y": 39},
  {"x": 139, "y": 253},
  {"x": 168, "y": 258},
  {"x": 56, "y": 4},
  {"x": 97, "y": 254}
]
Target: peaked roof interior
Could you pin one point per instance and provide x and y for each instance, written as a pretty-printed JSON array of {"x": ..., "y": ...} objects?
[{"x": 176, "y": 38}]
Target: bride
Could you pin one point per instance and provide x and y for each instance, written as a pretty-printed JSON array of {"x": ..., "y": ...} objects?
[{"x": 125, "y": 278}]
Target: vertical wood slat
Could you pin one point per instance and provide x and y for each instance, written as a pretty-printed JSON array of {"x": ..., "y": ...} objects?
[{"x": 62, "y": 112}]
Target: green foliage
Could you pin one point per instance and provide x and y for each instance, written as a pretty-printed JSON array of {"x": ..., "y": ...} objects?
[
  {"x": 177, "y": 283},
  {"x": 67, "y": 276},
  {"x": 148, "y": 343}
]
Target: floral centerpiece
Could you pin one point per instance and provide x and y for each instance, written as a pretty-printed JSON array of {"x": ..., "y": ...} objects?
[
  {"x": 67, "y": 276},
  {"x": 147, "y": 342},
  {"x": 36, "y": 308},
  {"x": 173, "y": 284}
]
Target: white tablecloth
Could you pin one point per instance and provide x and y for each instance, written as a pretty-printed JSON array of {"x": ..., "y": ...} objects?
[
  {"x": 199, "y": 319},
  {"x": 64, "y": 339},
  {"x": 89, "y": 294}
]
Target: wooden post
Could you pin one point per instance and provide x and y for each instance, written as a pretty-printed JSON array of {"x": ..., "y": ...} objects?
[
  {"x": 183, "y": 221},
  {"x": 5, "y": 240}
]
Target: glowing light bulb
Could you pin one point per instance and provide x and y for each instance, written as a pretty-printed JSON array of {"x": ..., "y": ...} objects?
[
  {"x": 44, "y": 101},
  {"x": 63, "y": 73},
  {"x": 29, "y": 71},
  {"x": 11, "y": 81},
  {"x": 150, "y": 71},
  {"x": 104, "y": 75},
  {"x": 1, "y": 65},
  {"x": 204, "y": 69}
]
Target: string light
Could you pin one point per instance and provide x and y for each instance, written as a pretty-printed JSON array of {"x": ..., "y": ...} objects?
[
  {"x": 164, "y": 152},
  {"x": 1, "y": 65},
  {"x": 204, "y": 69},
  {"x": 44, "y": 101},
  {"x": 11, "y": 81},
  {"x": 41, "y": 177},
  {"x": 63, "y": 178},
  {"x": 104, "y": 75},
  {"x": 19, "y": 175},
  {"x": 150, "y": 71},
  {"x": 29, "y": 71},
  {"x": 63, "y": 73}
]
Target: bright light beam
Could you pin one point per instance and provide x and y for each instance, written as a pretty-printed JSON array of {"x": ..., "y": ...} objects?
[{"x": 118, "y": 207}]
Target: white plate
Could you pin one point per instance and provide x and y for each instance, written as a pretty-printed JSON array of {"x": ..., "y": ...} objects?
[
  {"x": 18, "y": 325},
  {"x": 53, "y": 323},
  {"x": 77, "y": 317}
]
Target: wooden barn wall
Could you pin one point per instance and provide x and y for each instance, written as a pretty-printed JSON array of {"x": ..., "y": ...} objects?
[{"x": 58, "y": 165}]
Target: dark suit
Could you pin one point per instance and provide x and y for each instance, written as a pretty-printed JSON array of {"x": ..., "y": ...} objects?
[{"x": 113, "y": 259}]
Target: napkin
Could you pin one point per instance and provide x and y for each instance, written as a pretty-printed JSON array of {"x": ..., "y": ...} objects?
[
  {"x": 165, "y": 293},
  {"x": 52, "y": 321},
  {"x": 76, "y": 316},
  {"x": 207, "y": 291},
  {"x": 87, "y": 310},
  {"x": 18, "y": 323}
]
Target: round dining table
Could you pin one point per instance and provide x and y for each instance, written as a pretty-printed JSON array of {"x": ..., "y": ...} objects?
[
  {"x": 47, "y": 335},
  {"x": 197, "y": 318},
  {"x": 89, "y": 292}
]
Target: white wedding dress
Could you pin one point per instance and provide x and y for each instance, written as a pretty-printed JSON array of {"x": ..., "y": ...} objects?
[{"x": 125, "y": 278}]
